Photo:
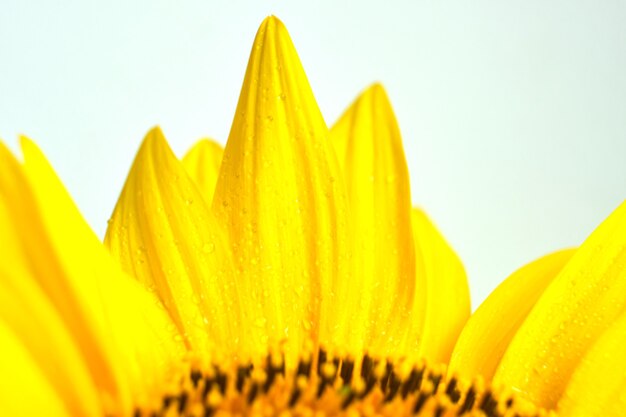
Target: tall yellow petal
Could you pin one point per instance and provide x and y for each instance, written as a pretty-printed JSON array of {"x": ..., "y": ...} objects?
[
  {"x": 163, "y": 234},
  {"x": 132, "y": 336},
  {"x": 24, "y": 390},
  {"x": 25, "y": 308},
  {"x": 369, "y": 148},
  {"x": 598, "y": 385},
  {"x": 442, "y": 280},
  {"x": 203, "y": 164},
  {"x": 281, "y": 196},
  {"x": 581, "y": 302},
  {"x": 489, "y": 331}
]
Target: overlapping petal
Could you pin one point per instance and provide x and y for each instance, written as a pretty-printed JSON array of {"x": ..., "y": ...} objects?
[
  {"x": 25, "y": 311},
  {"x": 143, "y": 344},
  {"x": 61, "y": 273},
  {"x": 281, "y": 197},
  {"x": 163, "y": 233},
  {"x": 484, "y": 339},
  {"x": 598, "y": 385},
  {"x": 369, "y": 149},
  {"x": 407, "y": 282},
  {"x": 203, "y": 164},
  {"x": 574, "y": 310},
  {"x": 444, "y": 307},
  {"x": 24, "y": 388}
]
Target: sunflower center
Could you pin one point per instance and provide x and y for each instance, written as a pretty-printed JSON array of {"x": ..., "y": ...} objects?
[{"x": 322, "y": 385}]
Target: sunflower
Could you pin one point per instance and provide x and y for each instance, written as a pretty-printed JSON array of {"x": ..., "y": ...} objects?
[{"x": 288, "y": 274}]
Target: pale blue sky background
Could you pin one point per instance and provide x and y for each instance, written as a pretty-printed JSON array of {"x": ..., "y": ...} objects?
[{"x": 513, "y": 113}]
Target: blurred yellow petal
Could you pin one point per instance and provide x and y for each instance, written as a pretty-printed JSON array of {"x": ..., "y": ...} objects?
[
  {"x": 581, "y": 302},
  {"x": 446, "y": 301},
  {"x": 370, "y": 153},
  {"x": 280, "y": 195},
  {"x": 24, "y": 308},
  {"x": 163, "y": 233},
  {"x": 128, "y": 325},
  {"x": 202, "y": 163},
  {"x": 24, "y": 390},
  {"x": 150, "y": 347},
  {"x": 598, "y": 385},
  {"x": 490, "y": 329}
]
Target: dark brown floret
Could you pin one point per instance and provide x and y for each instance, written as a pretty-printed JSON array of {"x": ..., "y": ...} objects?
[{"x": 340, "y": 386}]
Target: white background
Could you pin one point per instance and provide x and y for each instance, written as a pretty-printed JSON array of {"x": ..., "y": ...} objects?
[{"x": 513, "y": 113}]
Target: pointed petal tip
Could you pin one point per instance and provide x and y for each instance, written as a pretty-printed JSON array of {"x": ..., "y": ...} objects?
[
  {"x": 155, "y": 133},
  {"x": 378, "y": 95},
  {"x": 27, "y": 144},
  {"x": 31, "y": 152},
  {"x": 154, "y": 139},
  {"x": 275, "y": 85},
  {"x": 272, "y": 31},
  {"x": 376, "y": 87},
  {"x": 272, "y": 22},
  {"x": 374, "y": 96},
  {"x": 23, "y": 138}
]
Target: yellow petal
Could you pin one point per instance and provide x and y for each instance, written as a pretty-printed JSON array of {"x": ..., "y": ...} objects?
[
  {"x": 369, "y": 148},
  {"x": 24, "y": 308},
  {"x": 581, "y": 302},
  {"x": 281, "y": 197},
  {"x": 598, "y": 385},
  {"x": 490, "y": 329},
  {"x": 202, "y": 163},
  {"x": 163, "y": 234},
  {"x": 151, "y": 349},
  {"x": 131, "y": 338},
  {"x": 24, "y": 389},
  {"x": 442, "y": 281}
]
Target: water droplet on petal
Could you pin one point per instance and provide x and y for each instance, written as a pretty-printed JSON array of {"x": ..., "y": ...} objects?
[{"x": 208, "y": 247}]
